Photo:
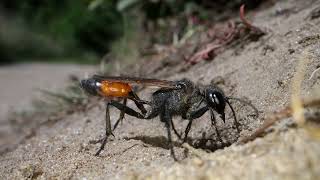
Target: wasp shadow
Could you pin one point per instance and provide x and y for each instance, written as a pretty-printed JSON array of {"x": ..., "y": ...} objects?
[
  {"x": 162, "y": 142},
  {"x": 155, "y": 141}
]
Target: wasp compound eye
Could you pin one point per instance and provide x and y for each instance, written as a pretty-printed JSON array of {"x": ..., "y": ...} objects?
[
  {"x": 216, "y": 100},
  {"x": 90, "y": 86}
]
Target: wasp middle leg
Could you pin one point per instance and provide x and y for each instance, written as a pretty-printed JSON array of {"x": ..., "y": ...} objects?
[
  {"x": 166, "y": 117},
  {"x": 175, "y": 131}
]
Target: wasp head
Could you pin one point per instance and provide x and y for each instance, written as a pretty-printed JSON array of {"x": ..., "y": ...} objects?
[
  {"x": 216, "y": 100},
  {"x": 91, "y": 86}
]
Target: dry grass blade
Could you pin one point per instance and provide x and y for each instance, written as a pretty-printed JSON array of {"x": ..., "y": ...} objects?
[{"x": 277, "y": 116}]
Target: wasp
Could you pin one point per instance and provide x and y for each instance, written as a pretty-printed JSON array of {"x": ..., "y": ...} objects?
[{"x": 173, "y": 98}]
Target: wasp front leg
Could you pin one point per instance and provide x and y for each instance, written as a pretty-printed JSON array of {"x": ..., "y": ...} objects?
[
  {"x": 214, "y": 123},
  {"x": 192, "y": 114}
]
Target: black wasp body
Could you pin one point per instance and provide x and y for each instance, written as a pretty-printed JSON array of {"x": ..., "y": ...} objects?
[
  {"x": 188, "y": 101},
  {"x": 179, "y": 98}
]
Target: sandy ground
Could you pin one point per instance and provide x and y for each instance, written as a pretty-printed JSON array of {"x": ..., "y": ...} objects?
[
  {"x": 21, "y": 85},
  {"x": 260, "y": 72}
]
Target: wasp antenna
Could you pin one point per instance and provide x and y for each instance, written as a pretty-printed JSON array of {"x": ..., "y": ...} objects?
[
  {"x": 256, "y": 111},
  {"x": 234, "y": 114}
]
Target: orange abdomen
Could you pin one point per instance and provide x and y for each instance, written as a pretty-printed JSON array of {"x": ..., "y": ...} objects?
[{"x": 115, "y": 89}]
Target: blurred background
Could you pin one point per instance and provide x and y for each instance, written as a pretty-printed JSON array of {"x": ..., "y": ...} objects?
[
  {"x": 45, "y": 42},
  {"x": 57, "y": 31},
  {"x": 83, "y": 31}
]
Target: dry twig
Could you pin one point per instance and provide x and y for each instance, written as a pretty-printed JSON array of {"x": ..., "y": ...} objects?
[
  {"x": 277, "y": 116},
  {"x": 223, "y": 37}
]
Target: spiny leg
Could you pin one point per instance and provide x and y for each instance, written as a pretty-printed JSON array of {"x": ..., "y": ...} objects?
[
  {"x": 234, "y": 115},
  {"x": 127, "y": 110},
  {"x": 134, "y": 113},
  {"x": 187, "y": 130},
  {"x": 191, "y": 115},
  {"x": 124, "y": 110},
  {"x": 166, "y": 117},
  {"x": 139, "y": 103},
  {"x": 122, "y": 113},
  {"x": 175, "y": 131},
  {"x": 108, "y": 131},
  {"x": 214, "y": 123}
]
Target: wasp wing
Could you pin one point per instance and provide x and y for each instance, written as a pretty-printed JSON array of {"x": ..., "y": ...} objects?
[{"x": 137, "y": 80}]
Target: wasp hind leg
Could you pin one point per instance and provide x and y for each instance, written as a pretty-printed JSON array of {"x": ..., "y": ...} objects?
[
  {"x": 139, "y": 103},
  {"x": 122, "y": 113},
  {"x": 124, "y": 110},
  {"x": 108, "y": 131},
  {"x": 127, "y": 110}
]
